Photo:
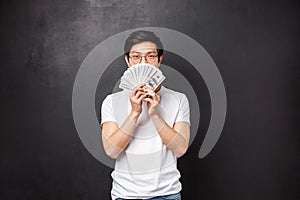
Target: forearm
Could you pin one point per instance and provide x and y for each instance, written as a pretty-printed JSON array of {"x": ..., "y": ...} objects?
[
  {"x": 114, "y": 143},
  {"x": 176, "y": 140}
]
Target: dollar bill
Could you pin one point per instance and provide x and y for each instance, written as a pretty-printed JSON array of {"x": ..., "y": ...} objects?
[{"x": 141, "y": 73}]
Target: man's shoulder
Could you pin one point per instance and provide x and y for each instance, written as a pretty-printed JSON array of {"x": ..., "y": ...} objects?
[
  {"x": 115, "y": 97},
  {"x": 118, "y": 94}
]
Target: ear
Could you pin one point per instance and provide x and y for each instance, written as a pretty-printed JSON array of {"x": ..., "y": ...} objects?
[
  {"x": 126, "y": 59},
  {"x": 160, "y": 59}
]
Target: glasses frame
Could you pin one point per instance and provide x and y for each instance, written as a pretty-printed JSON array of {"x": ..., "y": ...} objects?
[{"x": 145, "y": 56}]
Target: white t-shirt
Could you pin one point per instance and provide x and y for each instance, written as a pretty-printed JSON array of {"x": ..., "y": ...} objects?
[{"x": 146, "y": 168}]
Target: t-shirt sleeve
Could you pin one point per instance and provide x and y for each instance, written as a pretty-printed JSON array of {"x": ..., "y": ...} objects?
[
  {"x": 184, "y": 110},
  {"x": 107, "y": 113}
]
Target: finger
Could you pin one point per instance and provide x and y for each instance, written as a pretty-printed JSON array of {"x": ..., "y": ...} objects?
[
  {"x": 134, "y": 93},
  {"x": 137, "y": 90},
  {"x": 139, "y": 93},
  {"x": 158, "y": 97},
  {"x": 141, "y": 97},
  {"x": 148, "y": 100},
  {"x": 155, "y": 99},
  {"x": 147, "y": 89},
  {"x": 151, "y": 93},
  {"x": 146, "y": 86},
  {"x": 140, "y": 87},
  {"x": 154, "y": 96}
]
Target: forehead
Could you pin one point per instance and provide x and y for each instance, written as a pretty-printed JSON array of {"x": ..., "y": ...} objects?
[{"x": 143, "y": 47}]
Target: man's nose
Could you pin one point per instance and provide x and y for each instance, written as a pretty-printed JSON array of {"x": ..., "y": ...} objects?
[{"x": 144, "y": 60}]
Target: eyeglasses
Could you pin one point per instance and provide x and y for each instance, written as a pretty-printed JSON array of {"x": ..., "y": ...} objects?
[{"x": 150, "y": 58}]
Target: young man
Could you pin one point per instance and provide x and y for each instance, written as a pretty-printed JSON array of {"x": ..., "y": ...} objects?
[{"x": 145, "y": 130}]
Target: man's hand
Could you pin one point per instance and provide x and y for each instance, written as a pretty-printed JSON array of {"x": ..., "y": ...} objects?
[
  {"x": 152, "y": 100},
  {"x": 136, "y": 99}
]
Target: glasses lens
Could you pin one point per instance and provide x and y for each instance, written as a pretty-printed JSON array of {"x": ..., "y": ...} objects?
[
  {"x": 135, "y": 59},
  {"x": 150, "y": 58}
]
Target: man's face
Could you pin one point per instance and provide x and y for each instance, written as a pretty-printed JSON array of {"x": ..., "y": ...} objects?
[{"x": 143, "y": 52}]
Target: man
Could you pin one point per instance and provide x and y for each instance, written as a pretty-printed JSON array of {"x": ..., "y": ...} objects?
[{"x": 145, "y": 130}]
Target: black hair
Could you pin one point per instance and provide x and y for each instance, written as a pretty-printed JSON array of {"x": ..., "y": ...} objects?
[{"x": 143, "y": 36}]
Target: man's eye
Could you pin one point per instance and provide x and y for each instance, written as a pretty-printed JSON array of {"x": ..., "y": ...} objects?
[
  {"x": 151, "y": 56},
  {"x": 135, "y": 57}
]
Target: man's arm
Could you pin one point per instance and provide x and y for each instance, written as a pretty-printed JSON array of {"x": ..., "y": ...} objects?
[
  {"x": 114, "y": 138},
  {"x": 176, "y": 138}
]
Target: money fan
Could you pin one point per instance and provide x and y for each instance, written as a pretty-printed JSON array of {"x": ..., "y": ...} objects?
[{"x": 141, "y": 73}]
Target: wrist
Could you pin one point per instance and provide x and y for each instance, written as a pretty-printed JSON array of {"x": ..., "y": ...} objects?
[
  {"x": 154, "y": 115},
  {"x": 158, "y": 121},
  {"x": 134, "y": 115}
]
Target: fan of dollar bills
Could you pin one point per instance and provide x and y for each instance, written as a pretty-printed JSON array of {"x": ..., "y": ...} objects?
[{"x": 141, "y": 73}]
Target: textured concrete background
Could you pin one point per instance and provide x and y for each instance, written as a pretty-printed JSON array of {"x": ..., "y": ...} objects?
[{"x": 255, "y": 45}]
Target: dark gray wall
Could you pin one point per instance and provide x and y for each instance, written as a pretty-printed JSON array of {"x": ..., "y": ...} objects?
[{"x": 255, "y": 45}]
